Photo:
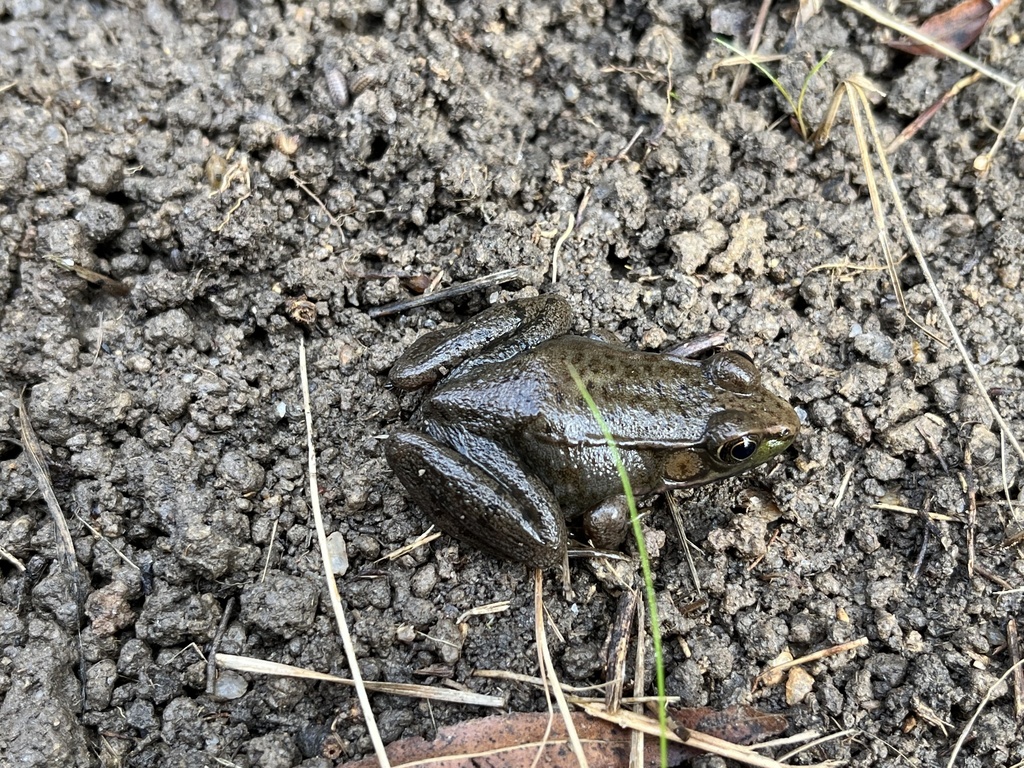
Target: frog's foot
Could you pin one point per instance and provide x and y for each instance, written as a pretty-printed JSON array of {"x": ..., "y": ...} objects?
[
  {"x": 607, "y": 524},
  {"x": 517, "y": 520}
]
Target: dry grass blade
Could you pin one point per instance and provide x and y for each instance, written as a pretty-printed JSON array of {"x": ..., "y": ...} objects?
[
  {"x": 684, "y": 541},
  {"x": 855, "y": 90},
  {"x": 983, "y": 162},
  {"x": 65, "y": 544},
  {"x": 853, "y": 87},
  {"x": 814, "y": 742},
  {"x": 702, "y": 741},
  {"x": 547, "y": 667},
  {"x": 537, "y": 682},
  {"x": 858, "y": 101},
  {"x": 100, "y": 537},
  {"x": 331, "y": 217},
  {"x": 332, "y": 585},
  {"x": 911, "y": 511},
  {"x": 109, "y": 284},
  {"x": 420, "y": 541},
  {"x": 636, "y": 749},
  {"x": 272, "y": 668},
  {"x": 746, "y": 59},
  {"x": 977, "y": 713},
  {"x": 499, "y": 606}
]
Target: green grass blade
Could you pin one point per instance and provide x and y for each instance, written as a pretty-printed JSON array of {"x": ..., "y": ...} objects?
[{"x": 645, "y": 563}]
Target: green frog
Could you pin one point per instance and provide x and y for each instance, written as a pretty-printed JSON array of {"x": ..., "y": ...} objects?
[{"x": 504, "y": 449}]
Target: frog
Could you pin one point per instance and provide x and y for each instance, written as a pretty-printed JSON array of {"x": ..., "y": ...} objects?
[{"x": 503, "y": 449}]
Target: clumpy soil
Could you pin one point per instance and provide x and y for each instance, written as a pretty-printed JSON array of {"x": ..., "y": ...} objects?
[{"x": 249, "y": 173}]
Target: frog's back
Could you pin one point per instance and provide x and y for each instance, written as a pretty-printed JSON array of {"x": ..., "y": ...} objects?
[{"x": 643, "y": 396}]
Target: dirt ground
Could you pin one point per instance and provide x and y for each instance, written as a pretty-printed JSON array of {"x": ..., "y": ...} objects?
[{"x": 238, "y": 166}]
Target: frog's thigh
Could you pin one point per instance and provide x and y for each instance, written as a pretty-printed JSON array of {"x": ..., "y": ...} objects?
[{"x": 466, "y": 502}]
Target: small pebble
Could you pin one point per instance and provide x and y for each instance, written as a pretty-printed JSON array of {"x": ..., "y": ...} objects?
[{"x": 338, "y": 552}]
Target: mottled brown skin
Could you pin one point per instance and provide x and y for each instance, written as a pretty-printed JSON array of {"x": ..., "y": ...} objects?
[{"x": 504, "y": 449}]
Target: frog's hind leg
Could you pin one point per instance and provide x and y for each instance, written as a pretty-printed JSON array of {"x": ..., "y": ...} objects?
[
  {"x": 515, "y": 520},
  {"x": 493, "y": 336}
]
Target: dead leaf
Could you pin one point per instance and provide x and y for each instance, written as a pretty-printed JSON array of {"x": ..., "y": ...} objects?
[
  {"x": 958, "y": 27},
  {"x": 739, "y": 724},
  {"x": 513, "y": 741}
]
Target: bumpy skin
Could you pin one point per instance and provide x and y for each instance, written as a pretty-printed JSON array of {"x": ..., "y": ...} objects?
[{"x": 504, "y": 449}]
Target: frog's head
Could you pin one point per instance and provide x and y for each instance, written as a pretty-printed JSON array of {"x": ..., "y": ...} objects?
[{"x": 746, "y": 425}]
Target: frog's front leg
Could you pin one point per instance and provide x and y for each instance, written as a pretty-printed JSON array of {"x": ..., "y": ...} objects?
[
  {"x": 493, "y": 336},
  {"x": 504, "y": 511}
]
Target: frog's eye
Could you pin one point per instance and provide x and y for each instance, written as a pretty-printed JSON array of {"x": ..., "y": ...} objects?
[{"x": 737, "y": 450}]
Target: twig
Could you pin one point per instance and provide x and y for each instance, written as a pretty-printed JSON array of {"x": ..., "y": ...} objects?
[
  {"x": 995, "y": 578},
  {"x": 495, "y": 278},
  {"x": 211, "y": 659},
  {"x": 755, "y": 40},
  {"x": 926, "y": 531},
  {"x": 822, "y": 654},
  {"x": 618, "y": 648},
  {"x": 625, "y": 149},
  {"x": 921, "y": 120},
  {"x": 1013, "y": 641}
]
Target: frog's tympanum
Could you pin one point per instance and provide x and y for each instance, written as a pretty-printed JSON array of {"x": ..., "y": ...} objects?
[{"x": 504, "y": 449}]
